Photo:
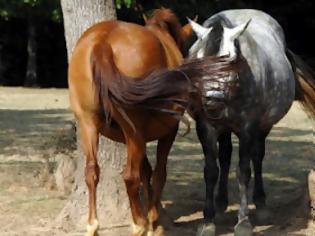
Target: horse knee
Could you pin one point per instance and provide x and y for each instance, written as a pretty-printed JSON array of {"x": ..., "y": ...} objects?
[{"x": 92, "y": 173}]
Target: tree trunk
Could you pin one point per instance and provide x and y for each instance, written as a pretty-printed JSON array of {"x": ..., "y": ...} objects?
[
  {"x": 31, "y": 70},
  {"x": 112, "y": 201},
  {"x": 311, "y": 190}
]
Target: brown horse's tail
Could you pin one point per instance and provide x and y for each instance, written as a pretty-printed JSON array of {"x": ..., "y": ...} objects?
[
  {"x": 305, "y": 83},
  {"x": 154, "y": 91}
]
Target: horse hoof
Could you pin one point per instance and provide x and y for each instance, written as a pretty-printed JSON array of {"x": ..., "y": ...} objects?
[
  {"x": 207, "y": 229},
  {"x": 150, "y": 233},
  {"x": 91, "y": 234},
  {"x": 159, "y": 231},
  {"x": 243, "y": 228},
  {"x": 263, "y": 216},
  {"x": 138, "y": 230},
  {"x": 92, "y": 229}
]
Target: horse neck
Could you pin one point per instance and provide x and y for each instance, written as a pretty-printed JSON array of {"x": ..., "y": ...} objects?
[{"x": 174, "y": 56}]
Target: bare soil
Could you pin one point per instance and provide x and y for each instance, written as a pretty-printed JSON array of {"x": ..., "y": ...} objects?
[{"x": 36, "y": 129}]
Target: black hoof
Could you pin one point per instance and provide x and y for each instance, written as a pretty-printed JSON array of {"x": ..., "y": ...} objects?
[
  {"x": 263, "y": 216},
  {"x": 243, "y": 228},
  {"x": 207, "y": 229}
]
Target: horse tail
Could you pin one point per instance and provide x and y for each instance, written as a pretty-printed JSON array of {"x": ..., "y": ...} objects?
[
  {"x": 118, "y": 92},
  {"x": 305, "y": 83},
  {"x": 152, "y": 92}
]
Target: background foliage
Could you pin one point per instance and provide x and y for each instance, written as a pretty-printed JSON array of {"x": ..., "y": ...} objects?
[{"x": 296, "y": 17}]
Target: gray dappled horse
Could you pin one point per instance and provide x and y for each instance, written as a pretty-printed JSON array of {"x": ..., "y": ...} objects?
[{"x": 270, "y": 79}]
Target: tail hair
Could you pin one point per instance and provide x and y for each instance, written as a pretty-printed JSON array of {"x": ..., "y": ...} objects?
[
  {"x": 153, "y": 91},
  {"x": 305, "y": 83}
]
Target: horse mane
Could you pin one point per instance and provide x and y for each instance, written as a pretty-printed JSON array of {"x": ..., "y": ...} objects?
[
  {"x": 221, "y": 19},
  {"x": 165, "y": 19}
]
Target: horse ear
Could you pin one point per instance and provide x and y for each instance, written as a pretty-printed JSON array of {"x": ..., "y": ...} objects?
[
  {"x": 238, "y": 30},
  {"x": 187, "y": 29},
  {"x": 199, "y": 30},
  {"x": 145, "y": 18}
]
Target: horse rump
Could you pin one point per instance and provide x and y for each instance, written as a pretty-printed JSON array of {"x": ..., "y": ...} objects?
[{"x": 154, "y": 91}]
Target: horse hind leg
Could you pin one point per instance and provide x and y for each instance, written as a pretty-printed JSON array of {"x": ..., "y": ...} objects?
[
  {"x": 259, "y": 196},
  {"x": 158, "y": 182},
  {"x": 146, "y": 174},
  {"x": 225, "y": 153},
  {"x": 132, "y": 178},
  {"x": 89, "y": 139},
  {"x": 208, "y": 139}
]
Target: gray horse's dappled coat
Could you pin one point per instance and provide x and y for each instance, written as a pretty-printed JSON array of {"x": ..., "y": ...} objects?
[
  {"x": 268, "y": 84},
  {"x": 270, "y": 79}
]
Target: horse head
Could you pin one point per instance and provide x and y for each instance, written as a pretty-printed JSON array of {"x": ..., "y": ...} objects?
[
  {"x": 220, "y": 39},
  {"x": 217, "y": 39},
  {"x": 167, "y": 21}
]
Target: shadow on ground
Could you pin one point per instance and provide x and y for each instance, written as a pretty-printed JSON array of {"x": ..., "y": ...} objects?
[
  {"x": 289, "y": 157},
  {"x": 24, "y": 132}
]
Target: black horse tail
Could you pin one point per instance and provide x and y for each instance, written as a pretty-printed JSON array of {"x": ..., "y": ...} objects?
[{"x": 305, "y": 83}]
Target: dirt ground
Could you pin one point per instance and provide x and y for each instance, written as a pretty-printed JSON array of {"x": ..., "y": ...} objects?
[{"x": 36, "y": 129}]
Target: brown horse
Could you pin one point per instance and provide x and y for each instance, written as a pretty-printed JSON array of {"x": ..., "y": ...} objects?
[{"x": 115, "y": 92}]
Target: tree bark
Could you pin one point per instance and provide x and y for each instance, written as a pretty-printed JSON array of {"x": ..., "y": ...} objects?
[
  {"x": 31, "y": 70},
  {"x": 112, "y": 201}
]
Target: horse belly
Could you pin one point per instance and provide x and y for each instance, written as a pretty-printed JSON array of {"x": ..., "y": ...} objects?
[{"x": 159, "y": 127}]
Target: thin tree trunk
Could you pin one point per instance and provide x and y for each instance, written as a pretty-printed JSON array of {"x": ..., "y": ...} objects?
[
  {"x": 112, "y": 201},
  {"x": 31, "y": 70}
]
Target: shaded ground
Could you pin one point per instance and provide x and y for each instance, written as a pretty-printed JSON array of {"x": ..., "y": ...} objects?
[{"x": 35, "y": 128}]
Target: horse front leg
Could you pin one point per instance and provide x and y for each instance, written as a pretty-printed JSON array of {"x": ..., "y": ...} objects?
[
  {"x": 89, "y": 138},
  {"x": 158, "y": 180},
  {"x": 246, "y": 150},
  {"x": 136, "y": 154},
  {"x": 259, "y": 196},
  {"x": 208, "y": 139},
  {"x": 225, "y": 153}
]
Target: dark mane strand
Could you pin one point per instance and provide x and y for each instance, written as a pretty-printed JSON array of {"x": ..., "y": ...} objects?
[{"x": 167, "y": 20}]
